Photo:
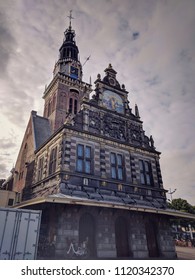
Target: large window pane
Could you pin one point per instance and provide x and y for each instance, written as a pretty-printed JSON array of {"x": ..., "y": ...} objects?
[
  {"x": 88, "y": 167},
  {"x": 119, "y": 159},
  {"x": 113, "y": 158},
  {"x": 141, "y": 166},
  {"x": 79, "y": 165},
  {"x": 113, "y": 172},
  {"x": 142, "y": 179},
  {"x": 88, "y": 152},
  {"x": 80, "y": 150},
  {"x": 146, "y": 166},
  {"x": 148, "y": 181},
  {"x": 120, "y": 173}
]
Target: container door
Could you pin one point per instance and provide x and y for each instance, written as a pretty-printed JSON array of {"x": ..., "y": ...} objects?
[
  {"x": 19, "y": 232},
  {"x": 8, "y": 222},
  {"x": 26, "y": 245}
]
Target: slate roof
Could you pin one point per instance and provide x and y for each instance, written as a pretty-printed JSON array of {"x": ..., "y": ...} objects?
[{"x": 42, "y": 129}]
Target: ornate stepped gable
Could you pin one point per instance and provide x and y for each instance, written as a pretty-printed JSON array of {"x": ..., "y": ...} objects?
[{"x": 108, "y": 114}]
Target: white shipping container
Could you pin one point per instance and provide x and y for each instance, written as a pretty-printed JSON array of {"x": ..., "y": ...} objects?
[{"x": 19, "y": 233}]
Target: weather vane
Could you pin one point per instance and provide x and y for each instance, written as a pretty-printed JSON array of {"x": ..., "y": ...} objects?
[
  {"x": 70, "y": 17},
  {"x": 86, "y": 60}
]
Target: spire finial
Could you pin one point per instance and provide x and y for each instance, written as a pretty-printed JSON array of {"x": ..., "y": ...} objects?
[{"x": 70, "y": 17}]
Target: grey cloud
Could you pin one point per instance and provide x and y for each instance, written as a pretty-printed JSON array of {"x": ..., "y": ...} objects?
[
  {"x": 153, "y": 81},
  {"x": 135, "y": 35},
  {"x": 7, "y": 143},
  {"x": 7, "y": 44},
  {"x": 184, "y": 55},
  {"x": 15, "y": 102},
  {"x": 3, "y": 170}
]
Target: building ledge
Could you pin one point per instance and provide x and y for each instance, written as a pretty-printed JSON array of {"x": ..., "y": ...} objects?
[{"x": 65, "y": 199}]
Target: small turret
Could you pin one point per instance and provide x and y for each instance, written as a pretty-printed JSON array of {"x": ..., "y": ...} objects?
[{"x": 137, "y": 111}]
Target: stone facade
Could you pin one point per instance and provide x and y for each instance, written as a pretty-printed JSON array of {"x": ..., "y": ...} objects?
[
  {"x": 67, "y": 177},
  {"x": 70, "y": 233}
]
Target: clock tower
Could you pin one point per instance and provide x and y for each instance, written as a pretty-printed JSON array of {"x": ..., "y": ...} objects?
[
  {"x": 66, "y": 91},
  {"x": 68, "y": 62}
]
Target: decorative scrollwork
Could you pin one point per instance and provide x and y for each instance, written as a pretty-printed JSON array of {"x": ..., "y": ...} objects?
[
  {"x": 94, "y": 120},
  {"x": 114, "y": 127},
  {"x": 120, "y": 129},
  {"x": 135, "y": 133}
]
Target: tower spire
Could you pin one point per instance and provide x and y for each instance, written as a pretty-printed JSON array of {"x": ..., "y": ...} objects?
[
  {"x": 70, "y": 18},
  {"x": 68, "y": 62}
]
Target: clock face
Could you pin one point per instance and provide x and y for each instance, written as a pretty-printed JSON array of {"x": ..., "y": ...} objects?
[
  {"x": 113, "y": 101},
  {"x": 74, "y": 72},
  {"x": 112, "y": 81}
]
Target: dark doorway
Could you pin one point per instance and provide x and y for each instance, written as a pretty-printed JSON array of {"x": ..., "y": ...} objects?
[
  {"x": 87, "y": 234},
  {"x": 121, "y": 237},
  {"x": 151, "y": 236}
]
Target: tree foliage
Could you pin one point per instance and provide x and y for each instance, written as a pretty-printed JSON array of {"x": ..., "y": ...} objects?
[{"x": 182, "y": 205}]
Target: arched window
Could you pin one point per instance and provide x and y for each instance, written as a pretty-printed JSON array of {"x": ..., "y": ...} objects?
[
  {"x": 74, "y": 91},
  {"x": 75, "y": 106},
  {"x": 70, "y": 105}
]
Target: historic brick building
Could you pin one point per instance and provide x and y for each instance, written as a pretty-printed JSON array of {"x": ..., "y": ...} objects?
[{"x": 88, "y": 165}]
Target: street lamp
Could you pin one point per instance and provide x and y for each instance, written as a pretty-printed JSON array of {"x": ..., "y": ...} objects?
[
  {"x": 171, "y": 192},
  {"x": 190, "y": 230}
]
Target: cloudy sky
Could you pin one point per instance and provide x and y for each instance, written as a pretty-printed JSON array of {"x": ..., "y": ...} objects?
[{"x": 150, "y": 43}]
